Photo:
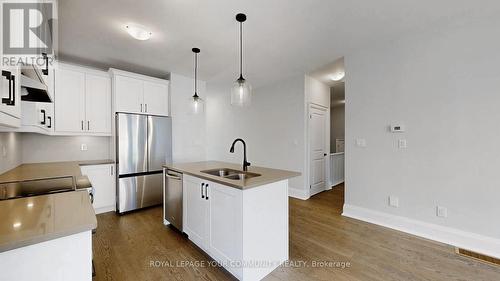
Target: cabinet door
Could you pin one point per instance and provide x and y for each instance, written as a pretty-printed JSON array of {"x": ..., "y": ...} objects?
[
  {"x": 97, "y": 103},
  {"x": 195, "y": 211},
  {"x": 69, "y": 100},
  {"x": 128, "y": 94},
  {"x": 156, "y": 98},
  {"x": 225, "y": 223},
  {"x": 103, "y": 182},
  {"x": 10, "y": 92}
]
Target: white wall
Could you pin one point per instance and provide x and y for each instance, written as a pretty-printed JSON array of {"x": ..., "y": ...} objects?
[
  {"x": 188, "y": 130},
  {"x": 11, "y": 143},
  {"x": 444, "y": 86},
  {"x": 272, "y": 127},
  {"x": 37, "y": 148}
]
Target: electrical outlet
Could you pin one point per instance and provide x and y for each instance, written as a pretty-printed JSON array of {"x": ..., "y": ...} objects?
[
  {"x": 441, "y": 212},
  {"x": 361, "y": 142},
  {"x": 83, "y": 147},
  {"x": 402, "y": 143},
  {"x": 393, "y": 201}
]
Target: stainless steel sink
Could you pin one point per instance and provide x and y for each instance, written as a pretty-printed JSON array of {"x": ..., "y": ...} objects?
[{"x": 230, "y": 174}]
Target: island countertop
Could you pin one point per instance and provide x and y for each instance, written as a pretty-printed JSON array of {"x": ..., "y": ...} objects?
[
  {"x": 267, "y": 175},
  {"x": 31, "y": 220}
]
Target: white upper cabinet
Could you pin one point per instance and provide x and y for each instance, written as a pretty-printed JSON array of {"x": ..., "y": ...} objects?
[
  {"x": 130, "y": 94},
  {"x": 98, "y": 103},
  {"x": 155, "y": 98},
  {"x": 70, "y": 97},
  {"x": 10, "y": 96},
  {"x": 135, "y": 93},
  {"x": 82, "y": 101}
]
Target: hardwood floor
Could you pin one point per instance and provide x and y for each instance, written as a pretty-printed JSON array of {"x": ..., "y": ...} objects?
[{"x": 126, "y": 246}]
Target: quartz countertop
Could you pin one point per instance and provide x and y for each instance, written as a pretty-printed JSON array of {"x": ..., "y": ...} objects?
[
  {"x": 31, "y": 220},
  {"x": 37, "y": 171},
  {"x": 267, "y": 175}
]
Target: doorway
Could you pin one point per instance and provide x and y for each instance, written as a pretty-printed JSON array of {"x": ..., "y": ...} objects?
[
  {"x": 317, "y": 148},
  {"x": 337, "y": 133}
]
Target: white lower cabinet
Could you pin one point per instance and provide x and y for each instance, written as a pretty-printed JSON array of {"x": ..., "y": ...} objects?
[
  {"x": 102, "y": 178},
  {"x": 212, "y": 220},
  {"x": 246, "y": 231}
]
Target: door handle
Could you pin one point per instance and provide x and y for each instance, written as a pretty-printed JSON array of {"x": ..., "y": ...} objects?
[
  {"x": 44, "y": 117},
  {"x": 111, "y": 169},
  {"x": 172, "y": 177},
  {"x": 324, "y": 154},
  {"x": 202, "y": 196},
  {"x": 206, "y": 191},
  {"x": 50, "y": 122}
]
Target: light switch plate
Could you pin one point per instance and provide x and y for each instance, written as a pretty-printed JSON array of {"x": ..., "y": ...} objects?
[
  {"x": 393, "y": 201},
  {"x": 402, "y": 143},
  {"x": 441, "y": 212}
]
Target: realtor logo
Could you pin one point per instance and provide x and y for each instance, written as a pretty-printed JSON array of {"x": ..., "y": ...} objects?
[{"x": 27, "y": 28}]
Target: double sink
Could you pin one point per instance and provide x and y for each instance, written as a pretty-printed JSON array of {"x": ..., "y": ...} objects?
[{"x": 231, "y": 174}]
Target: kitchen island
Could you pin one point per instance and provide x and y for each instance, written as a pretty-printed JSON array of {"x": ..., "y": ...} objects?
[{"x": 239, "y": 218}]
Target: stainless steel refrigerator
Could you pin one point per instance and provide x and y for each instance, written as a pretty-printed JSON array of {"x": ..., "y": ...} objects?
[{"x": 143, "y": 146}]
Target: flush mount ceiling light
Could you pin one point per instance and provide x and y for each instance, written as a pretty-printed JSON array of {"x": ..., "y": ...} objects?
[
  {"x": 139, "y": 32},
  {"x": 338, "y": 76},
  {"x": 197, "y": 104},
  {"x": 241, "y": 92}
]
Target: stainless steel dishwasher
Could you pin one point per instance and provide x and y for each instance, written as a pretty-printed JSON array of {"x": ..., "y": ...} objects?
[{"x": 172, "y": 203}]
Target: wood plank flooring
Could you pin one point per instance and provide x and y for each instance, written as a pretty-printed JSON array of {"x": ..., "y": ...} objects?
[{"x": 137, "y": 246}]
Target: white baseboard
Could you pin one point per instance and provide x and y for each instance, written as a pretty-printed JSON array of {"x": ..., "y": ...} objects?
[
  {"x": 458, "y": 238},
  {"x": 298, "y": 193},
  {"x": 332, "y": 184}
]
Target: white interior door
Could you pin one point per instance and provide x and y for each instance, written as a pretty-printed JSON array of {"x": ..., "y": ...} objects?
[{"x": 317, "y": 149}]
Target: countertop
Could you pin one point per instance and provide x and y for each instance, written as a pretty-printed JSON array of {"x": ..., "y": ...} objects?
[
  {"x": 267, "y": 175},
  {"x": 36, "y": 219},
  {"x": 48, "y": 170}
]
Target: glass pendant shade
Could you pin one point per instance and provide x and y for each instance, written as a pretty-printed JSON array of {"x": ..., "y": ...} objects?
[
  {"x": 241, "y": 93},
  {"x": 197, "y": 104}
]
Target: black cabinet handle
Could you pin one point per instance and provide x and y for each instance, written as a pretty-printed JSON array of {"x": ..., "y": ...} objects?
[
  {"x": 13, "y": 79},
  {"x": 88, "y": 125},
  {"x": 206, "y": 191},
  {"x": 202, "y": 196},
  {"x": 46, "y": 70},
  {"x": 44, "y": 117},
  {"x": 7, "y": 74},
  {"x": 50, "y": 122},
  {"x": 82, "y": 125}
]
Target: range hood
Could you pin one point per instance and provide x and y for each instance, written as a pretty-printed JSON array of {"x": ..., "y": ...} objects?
[{"x": 33, "y": 87}]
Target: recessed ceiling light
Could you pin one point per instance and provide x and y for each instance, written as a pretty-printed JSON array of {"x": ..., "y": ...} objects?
[
  {"x": 337, "y": 76},
  {"x": 139, "y": 32}
]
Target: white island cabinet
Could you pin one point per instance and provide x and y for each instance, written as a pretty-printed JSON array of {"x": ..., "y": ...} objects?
[{"x": 245, "y": 230}]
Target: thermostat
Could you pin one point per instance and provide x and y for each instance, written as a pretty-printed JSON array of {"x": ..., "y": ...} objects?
[{"x": 397, "y": 128}]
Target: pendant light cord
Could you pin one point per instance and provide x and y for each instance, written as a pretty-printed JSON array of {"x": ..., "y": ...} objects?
[
  {"x": 195, "y": 74},
  {"x": 241, "y": 50}
]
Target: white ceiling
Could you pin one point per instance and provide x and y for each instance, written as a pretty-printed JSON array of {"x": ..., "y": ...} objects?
[{"x": 281, "y": 37}]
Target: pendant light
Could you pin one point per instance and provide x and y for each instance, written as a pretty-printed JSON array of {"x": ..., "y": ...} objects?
[
  {"x": 197, "y": 104},
  {"x": 241, "y": 92}
]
